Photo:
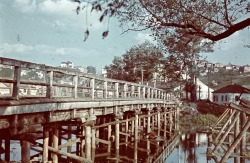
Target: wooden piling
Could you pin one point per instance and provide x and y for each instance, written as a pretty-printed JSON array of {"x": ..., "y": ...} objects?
[
  {"x": 88, "y": 142},
  {"x": 55, "y": 145},
  {"x": 25, "y": 151},
  {"x": 45, "y": 144}
]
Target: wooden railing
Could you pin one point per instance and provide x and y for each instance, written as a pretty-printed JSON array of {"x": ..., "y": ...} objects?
[{"x": 54, "y": 82}]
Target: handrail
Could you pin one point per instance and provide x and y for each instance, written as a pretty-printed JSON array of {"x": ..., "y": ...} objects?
[{"x": 61, "y": 82}]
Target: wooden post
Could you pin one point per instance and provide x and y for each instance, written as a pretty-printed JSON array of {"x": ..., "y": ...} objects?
[
  {"x": 116, "y": 90},
  {"x": 136, "y": 125},
  {"x": 49, "y": 89},
  {"x": 75, "y": 82},
  {"x": 177, "y": 118},
  {"x": 88, "y": 142},
  {"x": 132, "y": 91},
  {"x": 148, "y": 123},
  {"x": 109, "y": 135},
  {"x": 125, "y": 90},
  {"x": 25, "y": 151},
  {"x": 117, "y": 137},
  {"x": 126, "y": 129},
  {"x": 92, "y": 86},
  {"x": 82, "y": 142},
  {"x": 159, "y": 119},
  {"x": 143, "y": 92},
  {"x": 135, "y": 150},
  {"x": 132, "y": 126},
  {"x": 139, "y": 92},
  {"x": 45, "y": 144},
  {"x": 243, "y": 140},
  {"x": 105, "y": 89},
  {"x": 55, "y": 145},
  {"x": 78, "y": 145},
  {"x": 165, "y": 123},
  {"x": 69, "y": 148},
  {"x": 93, "y": 136},
  {"x": 7, "y": 149},
  {"x": 236, "y": 132},
  {"x": 16, "y": 84},
  {"x": 148, "y": 93}
]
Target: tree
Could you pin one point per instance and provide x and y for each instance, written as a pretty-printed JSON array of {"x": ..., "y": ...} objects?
[
  {"x": 210, "y": 19},
  {"x": 115, "y": 70},
  {"x": 91, "y": 70},
  {"x": 138, "y": 64}
]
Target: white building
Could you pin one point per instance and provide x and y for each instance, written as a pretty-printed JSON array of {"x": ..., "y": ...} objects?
[
  {"x": 203, "y": 91},
  {"x": 67, "y": 64},
  {"x": 229, "y": 94}
]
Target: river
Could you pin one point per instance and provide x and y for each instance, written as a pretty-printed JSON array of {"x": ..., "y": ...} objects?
[{"x": 190, "y": 149}]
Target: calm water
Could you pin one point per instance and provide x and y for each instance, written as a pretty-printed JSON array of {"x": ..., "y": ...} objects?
[{"x": 191, "y": 149}]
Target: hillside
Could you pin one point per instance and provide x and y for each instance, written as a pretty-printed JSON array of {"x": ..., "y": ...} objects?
[{"x": 222, "y": 78}]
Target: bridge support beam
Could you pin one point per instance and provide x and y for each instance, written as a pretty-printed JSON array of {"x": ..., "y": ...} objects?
[{"x": 25, "y": 151}]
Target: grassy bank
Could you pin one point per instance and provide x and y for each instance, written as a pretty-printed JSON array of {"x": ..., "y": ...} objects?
[{"x": 206, "y": 115}]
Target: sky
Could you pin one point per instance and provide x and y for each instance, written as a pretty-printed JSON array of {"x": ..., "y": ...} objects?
[{"x": 50, "y": 32}]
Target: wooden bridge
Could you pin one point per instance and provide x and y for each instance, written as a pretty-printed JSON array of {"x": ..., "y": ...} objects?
[
  {"x": 67, "y": 116},
  {"x": 229, "y": 136}
]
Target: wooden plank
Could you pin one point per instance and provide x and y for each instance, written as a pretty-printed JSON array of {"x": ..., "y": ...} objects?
[
  {"x": 78, "y": 158},
  {"x": 102, "y": 141}
]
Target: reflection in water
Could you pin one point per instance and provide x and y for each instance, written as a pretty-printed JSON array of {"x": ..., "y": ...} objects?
[{"x": 186, "y": 148}]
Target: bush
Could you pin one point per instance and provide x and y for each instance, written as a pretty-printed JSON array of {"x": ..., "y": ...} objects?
[{"x": 206, "y": 107}]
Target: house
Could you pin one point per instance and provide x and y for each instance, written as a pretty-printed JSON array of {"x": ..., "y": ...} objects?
[
  {"x": 229, "y": 93},
  {"x": 67, "y": 64},
  {"x": 203, "y": 91}
]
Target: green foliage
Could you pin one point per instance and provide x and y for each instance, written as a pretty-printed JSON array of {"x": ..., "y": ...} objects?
[
  {"x": 138, "y": 62},
  {"x": 204, "y": 119},
  {"x": 210, "y": 108},
  {"x": 213, "y": 20}
]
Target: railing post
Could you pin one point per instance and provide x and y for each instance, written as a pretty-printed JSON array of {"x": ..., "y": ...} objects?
[
  {"x": 75, "y": 82},
  {"x": 125, "y": 91},
  {"x": 105, "y": 89},
  {"x": 132, "y": 91},
  {"x": 92, "y": 87},
  {"x": 143, "y": 92},
  {"x": 116, "y": 90},
  {"x": 16, "y": 84},
  {"x": 49, "y": 90},
  {"x": 148, "y": 93},
  {"x": 139, "y": 92}
]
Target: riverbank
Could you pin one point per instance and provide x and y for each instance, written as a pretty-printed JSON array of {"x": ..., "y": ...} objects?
[{"x": 199, "y": 115}]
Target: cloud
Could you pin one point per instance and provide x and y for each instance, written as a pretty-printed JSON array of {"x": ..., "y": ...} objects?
[
  {"x": 142, "y": 37},
  {"x": 25, "y": 6},
  {"x": 61, "y": 7},
  {"x": 16, "y": 48},
  {"x": 45, "y": 49},
  {"x": 65, "y": 10}
]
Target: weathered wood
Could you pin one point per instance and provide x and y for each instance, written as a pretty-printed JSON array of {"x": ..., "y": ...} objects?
[
  {"x": 25, "y": 151},
  {"x": 236, "y": 141},
  {"x": 98, "y": 140},
  {"x": 55, "y": 145},
  {"x": 78, "y": 158},
  {"x": 16, "y": 83},
  {"x": 49, "y": 90},
  {"x": 88, "y": 142},
  {"x": 45, "y": 144}
]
